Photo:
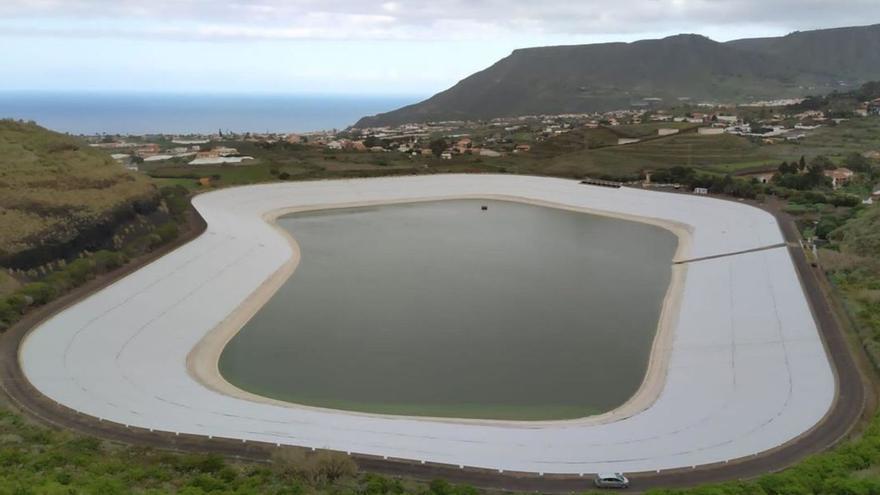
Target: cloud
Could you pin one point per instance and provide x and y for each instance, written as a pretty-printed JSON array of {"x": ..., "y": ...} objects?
[{"x": 414, "y": 19}]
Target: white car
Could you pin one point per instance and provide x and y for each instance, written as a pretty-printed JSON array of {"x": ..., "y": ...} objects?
[{"x": 611, "y": 480}]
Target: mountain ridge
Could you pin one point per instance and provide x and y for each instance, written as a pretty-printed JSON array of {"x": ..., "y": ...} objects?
[{"x": 614, "y": 75}]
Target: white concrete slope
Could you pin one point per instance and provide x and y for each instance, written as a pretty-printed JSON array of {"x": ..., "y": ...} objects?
[{"x": 747, "y": 370}]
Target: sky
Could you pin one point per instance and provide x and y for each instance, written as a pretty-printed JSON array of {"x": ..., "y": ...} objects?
[{"x": 394, "y": 47}]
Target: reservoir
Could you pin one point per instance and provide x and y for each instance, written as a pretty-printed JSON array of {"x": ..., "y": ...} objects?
[{"x": 445, "y": 309}]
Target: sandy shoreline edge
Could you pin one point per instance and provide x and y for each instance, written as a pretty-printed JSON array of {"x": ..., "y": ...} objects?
[{"x": 202, "y": 361}]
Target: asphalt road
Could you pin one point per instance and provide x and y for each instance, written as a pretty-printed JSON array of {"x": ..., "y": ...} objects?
[{"x": 845, "y": 413}]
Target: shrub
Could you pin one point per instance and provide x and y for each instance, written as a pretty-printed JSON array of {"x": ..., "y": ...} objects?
[
  {"x": 314, "y": 469},
  {"x": 80, "y": 271},
  {"x": 40, "y": 292},
  {"x": 8, "y": 314},
  {"x": 167, "y": 232},
  {"x": 106, "y": 261},
  {"x": 175, "y": 198}
]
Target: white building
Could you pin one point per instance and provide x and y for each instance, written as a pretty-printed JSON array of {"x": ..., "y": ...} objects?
[{"x": 710, "y": 131}]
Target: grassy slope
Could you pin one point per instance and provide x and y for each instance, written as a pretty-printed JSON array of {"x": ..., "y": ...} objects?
[
  {"x": 51, "y": 183},
  {"x": 861, "y": 235},
  {"x": 7, "y": 284}
]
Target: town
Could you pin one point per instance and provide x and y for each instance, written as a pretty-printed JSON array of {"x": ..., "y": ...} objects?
[{"x": 735, "y": 148}]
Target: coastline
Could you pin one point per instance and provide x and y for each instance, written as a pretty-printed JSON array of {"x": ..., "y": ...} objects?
[{"x": 202, "y": 362}]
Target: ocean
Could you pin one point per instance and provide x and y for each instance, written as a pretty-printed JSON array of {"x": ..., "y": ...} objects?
[{"x": 147, "y": 113}]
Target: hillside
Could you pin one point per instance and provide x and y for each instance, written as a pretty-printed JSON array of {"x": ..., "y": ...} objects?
[
  {"x": 599, "y": 77},
  {"x": 56, "y": 191},
  {"x": 860, "y": 236},
  {"x": 844, "y": 54}
]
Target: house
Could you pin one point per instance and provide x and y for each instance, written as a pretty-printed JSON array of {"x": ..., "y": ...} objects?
[
  {"x": 334, "y": 145},
  {"x": 224, "y": 151},
  {"x": 217, "y": 152},
  {"x": 839, "y": 176},
  {"x": 522, "y": 148},
  {"x": 146, "y": 150},
  {"x": 666, "y": 132},
  {"x": 761, "y": 177},
  {"x": 207, "y": 154},
  {"x": 446, "y": 155}
]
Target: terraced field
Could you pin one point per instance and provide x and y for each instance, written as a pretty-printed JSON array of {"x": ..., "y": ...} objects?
[
  {"x": 850, "y": 136},
  {"x": 722, "y": 154}
]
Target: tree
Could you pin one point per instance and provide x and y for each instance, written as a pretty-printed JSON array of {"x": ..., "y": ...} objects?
[
  {"x": 438, "y": 146},
  {"x": 785, "y": 168},
  {"x": 372, "y": 141},
  {"x": 822, "y": 162},
  {"x": 857, "y": 163}
]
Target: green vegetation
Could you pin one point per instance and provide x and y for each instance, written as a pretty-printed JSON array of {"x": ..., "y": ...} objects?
[
  {"x": 852, "y": 260},
  {"x": 568, "y": 155},
  {"x": 717, "y": 153},
  {"x": 53, "y": 188},
  {"x": 7, "y": 283},
  {"x": 837, "y": 104},
  {"x": 38, "y": 286},
  {"x": 38, "y": 460},
  {"x": 850, "y": 469},
  {"x": 835, "y": 141}
]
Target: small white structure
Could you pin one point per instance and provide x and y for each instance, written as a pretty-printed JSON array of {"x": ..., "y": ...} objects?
[
  {"x": 666, "y": 132},
  {"x": 221, "y": 160},
  {"x": 701, "y": 190},
  {"x": 446, "y": 155},
  {"x": 710, "y": 131},
  {"x": 623, "y": 141},
  {"x": 158, "y": 158}
]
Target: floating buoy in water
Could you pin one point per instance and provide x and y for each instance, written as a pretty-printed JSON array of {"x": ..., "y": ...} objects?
[{"x": 484, "y": 208}]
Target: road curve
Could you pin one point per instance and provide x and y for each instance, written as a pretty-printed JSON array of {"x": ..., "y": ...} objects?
[{"x": 727, "y": 233}]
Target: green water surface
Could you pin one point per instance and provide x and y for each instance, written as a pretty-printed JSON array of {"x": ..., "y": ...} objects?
[{"x": 443, "y": 309}]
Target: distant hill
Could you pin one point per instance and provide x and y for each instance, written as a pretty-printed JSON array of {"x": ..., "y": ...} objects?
[
  {"x": 607, "y": 76},
  {"x": 56, "y": 191}
]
